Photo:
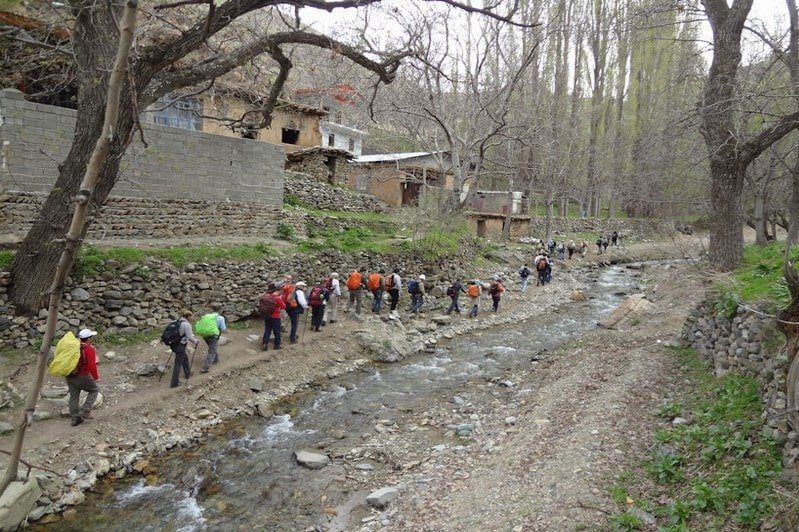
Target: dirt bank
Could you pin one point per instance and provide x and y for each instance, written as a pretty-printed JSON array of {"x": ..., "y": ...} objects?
[{"x": 141, "y": 416}]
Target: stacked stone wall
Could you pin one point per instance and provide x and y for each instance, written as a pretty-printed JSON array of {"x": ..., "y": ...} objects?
[
  {"x": 326, "y": 197},
  {"x": 739, "y": 344}
]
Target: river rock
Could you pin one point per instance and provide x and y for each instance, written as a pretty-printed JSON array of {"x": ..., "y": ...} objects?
[
  {"x": 264, "y": 410},
  {"x": 256, "y": 385},
  {"x": 203, "y": 413},
  {"x": 17, "y": 502},
  {"x": 102, "y": 467},
  {"x": 147, "y": 370},
  {"x": 79, "y": 294},
  {"x": 442, "y": 320},
  {"x": 382, "y": 497},
  {"x": 464, "y": 429},
  {"x": 72, "y": 498},
  {"x": 54, "y": 393},
  {"x": 311, "y": 460},
  {"x": 578, "y": 295}
]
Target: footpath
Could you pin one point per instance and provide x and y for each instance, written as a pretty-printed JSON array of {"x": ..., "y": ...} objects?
[{"x": 140, "y": 417}]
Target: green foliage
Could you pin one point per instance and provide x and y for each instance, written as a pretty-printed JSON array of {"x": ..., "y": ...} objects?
[
  {"x": 759, "y": 277},
  {"x": 92, "y": 260},
  {"x": 625, "y": 521},
  {"x": 292, "y": 200},
  {"x": 726, "y": 304},
  {"x": 718, "y": 469},
  {"x": 351, "y": 240},
  {"x": 122, "y": 340},
  {"x": 286, "y": 232},
  {"x": 6, "y": 257}
]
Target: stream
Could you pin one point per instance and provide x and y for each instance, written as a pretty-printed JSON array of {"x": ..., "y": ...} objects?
[{"x": 243, "y": 475}]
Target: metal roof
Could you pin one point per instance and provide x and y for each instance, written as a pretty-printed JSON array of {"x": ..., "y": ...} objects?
[{"x": 390, "y": 157}]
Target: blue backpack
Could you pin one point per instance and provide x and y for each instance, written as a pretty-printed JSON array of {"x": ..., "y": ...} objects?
[{"x": 413, "y": 287}]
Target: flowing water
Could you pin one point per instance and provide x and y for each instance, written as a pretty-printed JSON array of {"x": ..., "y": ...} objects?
[{"x": 244, "y": 476}]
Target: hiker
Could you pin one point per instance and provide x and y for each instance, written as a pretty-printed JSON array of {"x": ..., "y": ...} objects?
[
  {"x": 495, "y": 291},
  {"x": 561, "y": 249},
  {"x": 355, "y": 283},
  {"x": 178, "y": 347},
  {"x": 599, "y": 245},
  {"x": 614, "y": 238},
  {"x": 333, "y": 290},
  {"x": 618, "y": 238},
  {"x": 524, "y": 273},
  {"x": 375, "y": 285},
  {"x": 316, "y": 300},
  {"x": 571, "y": 248},
  {"x": 296, "y": 303},
  {"x": 83, "y": 379},
  {"x": 416, "y": 290},
  {"x": 605, "y": 243},
  {"x": 454, "y": 293},
  {"x": 473, "y": 291},
  {"x": 551, "y": 245},
  {"x": 393, "y": 285},
  {"x": 541, "y": 265},
  {"x": 269, "y": 308},
  {"x": 583, "y": 248},
  {"x": 210, "y": 327}
]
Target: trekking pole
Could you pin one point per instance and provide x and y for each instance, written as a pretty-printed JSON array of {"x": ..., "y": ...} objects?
[
  {"x": 304, "y": 326},
  {"x": 194, "y": 354},
  {"x": 166, "y": 365}
]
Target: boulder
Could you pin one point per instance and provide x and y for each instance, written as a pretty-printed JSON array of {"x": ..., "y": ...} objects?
[
  {"x": 578, "y": 295},
  {"x": 311, "y": 460},
  {"x": 17, "y": 502},
  {"x": 5, "y": 428},
  {"x": 264, "y": 410},
  {"x": 442, "y": 320},
  {"x": 79, "y": 294},
  {"x": 256, "y": 385},
  {"x": 147, "y": 370},
  {"x": 380, "y": 498}
]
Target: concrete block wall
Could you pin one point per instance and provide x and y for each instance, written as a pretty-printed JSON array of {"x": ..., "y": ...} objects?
[{"x": 178, "y": 164}]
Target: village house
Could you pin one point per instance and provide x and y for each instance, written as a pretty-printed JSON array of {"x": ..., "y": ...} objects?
[{"x": 399, "y": 179}]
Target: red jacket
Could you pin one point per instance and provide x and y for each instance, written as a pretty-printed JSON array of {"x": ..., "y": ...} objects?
[
  {"x": 280, "y": 304},
  {"x": 87, "y": 363}
]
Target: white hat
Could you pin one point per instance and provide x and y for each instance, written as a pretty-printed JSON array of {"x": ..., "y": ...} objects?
[
  {"x": 422, "y": 277},
  {"x": 301, "y": 283},
  {"x": 86, "y": 333},
  {"x": 334, "y": 275}
]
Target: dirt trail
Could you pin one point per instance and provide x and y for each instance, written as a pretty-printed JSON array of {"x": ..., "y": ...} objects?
[{"x": 544, "y": 466}]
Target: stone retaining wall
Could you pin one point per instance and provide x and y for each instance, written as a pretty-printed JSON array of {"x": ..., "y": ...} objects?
[
  {"x": 627, "y": 226},
  {"x": 321, "y": 196},
  {"x": 737, "y": 344},
  {"x": 137, "y": 297}
]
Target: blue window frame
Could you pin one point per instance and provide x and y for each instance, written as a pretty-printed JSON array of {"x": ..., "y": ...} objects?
[{"x": 183, "y": 113}]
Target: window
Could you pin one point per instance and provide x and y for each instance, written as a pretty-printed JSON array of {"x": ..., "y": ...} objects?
[
  {"x": 351, "y": 147},
  {"x": 331, "y": 140},
  {"x": 183, "y": 113},
  {"x": 290, "y": 136}
]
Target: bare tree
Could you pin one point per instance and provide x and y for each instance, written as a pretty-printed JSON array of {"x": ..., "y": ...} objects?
[{"x": 91, "y": 178}]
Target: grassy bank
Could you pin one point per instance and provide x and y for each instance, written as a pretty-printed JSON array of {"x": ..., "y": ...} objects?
[{"x": 716, "y": 471}]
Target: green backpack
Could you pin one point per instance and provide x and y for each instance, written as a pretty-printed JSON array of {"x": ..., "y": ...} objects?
[{"x": 206, "y": 326}]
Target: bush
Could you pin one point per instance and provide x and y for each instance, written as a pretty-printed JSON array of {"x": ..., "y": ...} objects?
[{"x": 285, "y": 232}]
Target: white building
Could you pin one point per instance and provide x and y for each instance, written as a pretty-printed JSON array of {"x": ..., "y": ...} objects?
[{"x": 342, "y": 137}]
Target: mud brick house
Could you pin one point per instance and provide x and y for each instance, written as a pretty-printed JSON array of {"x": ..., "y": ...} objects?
[{"x": 399, "y": 179}]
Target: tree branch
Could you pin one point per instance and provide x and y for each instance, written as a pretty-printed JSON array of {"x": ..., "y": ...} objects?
[{"x": 752, "y": 149}]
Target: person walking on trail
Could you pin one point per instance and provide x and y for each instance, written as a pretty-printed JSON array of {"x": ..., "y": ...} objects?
[
  {"x": 561, "y": 251},
  {"x": 454, "y": 293},
  {"x": 541, "y": 264},
  {"x": 83, "y": 379},
  {"x": 599, "y": 245},
  {"x": 495, "y": 291},
  {"x": 376, "y": 285},
  {"x": 473, "y": 291},
  {"x": 583, "y": 248},
  {"x": 614, "y": 238},
  {"x": 416, "y": 290},
  {"x": 393, "y": 286},
  {"x": 605, "y": 242},
  {"x": 355, "y": 284},
  {"x": 551, "y": 245},
  {"x": 210, "y": 327},
  {"x": 571, "y": 248},
  {"x": 524, "y": 273},
  {"x": 179, "y": 348},
  {"x": 296, "y": 303},
  {"x": 269, "y": 308},
  {"x": 316, "y": 300},
  {"x": 333, "y": 290}
]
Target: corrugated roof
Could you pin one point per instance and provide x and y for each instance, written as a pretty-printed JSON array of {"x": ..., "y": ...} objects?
[{"x": 389, "y": 157}]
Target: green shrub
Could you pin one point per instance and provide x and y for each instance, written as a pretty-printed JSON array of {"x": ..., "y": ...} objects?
[
  {"x": 6, "y": 257},
  {"x": 286, "y": 232},
  {"x": 292, "y": 200}
]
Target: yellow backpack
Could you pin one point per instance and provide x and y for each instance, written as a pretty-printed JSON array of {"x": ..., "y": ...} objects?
[{"x": 67, "y": 355}]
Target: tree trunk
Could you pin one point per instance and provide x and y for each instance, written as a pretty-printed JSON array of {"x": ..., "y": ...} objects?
[
  {"x": 548, "y": 225},
  {"x": 95, "y": 41},
  {"x": 726, "y": 231},
  {"x": 761, "y": 238}
]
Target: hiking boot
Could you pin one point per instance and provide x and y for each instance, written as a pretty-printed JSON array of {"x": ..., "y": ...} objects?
[
  {"x": 87, "y": 416},
  {"x": 77, "y": 421},
  {"x": 204, "y": 371},
  {"x": 291, "y": 342},
  {"x": 174, "y": 385},
  {"x": 264, "y": 347},
  {"x": 278, "y": 347}
]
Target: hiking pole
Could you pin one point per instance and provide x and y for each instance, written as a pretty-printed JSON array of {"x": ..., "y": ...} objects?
[
  {"x": 166, "y": 365},
  {"x": 304, "y": 326},
  {"x": 193, "y": 354}
]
